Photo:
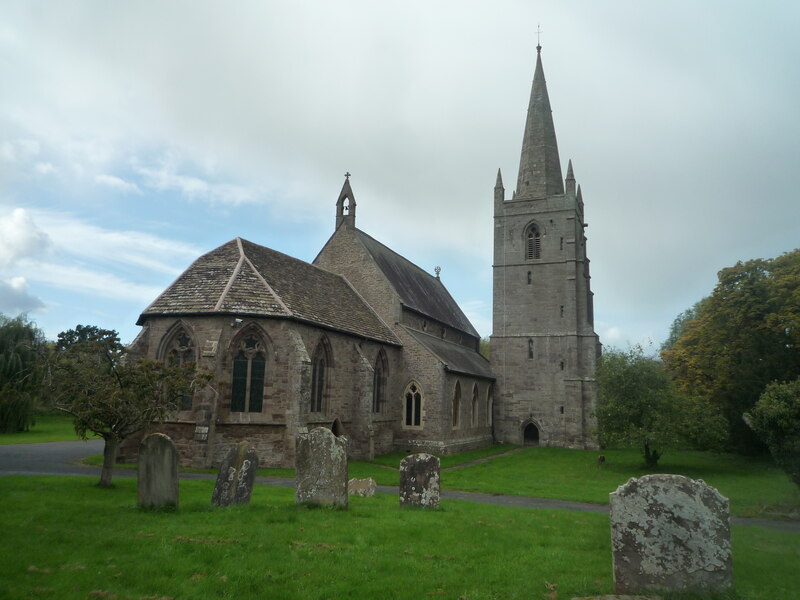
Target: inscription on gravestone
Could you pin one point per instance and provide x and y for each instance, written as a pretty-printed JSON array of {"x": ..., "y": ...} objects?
[
  {"x": 321, "y": 468},
  {"x": 419, "y": 481},
  {"x": 236, "y": 477},
  {"x": 157, "y": 472},
  {"x": 670, "y": 532}
]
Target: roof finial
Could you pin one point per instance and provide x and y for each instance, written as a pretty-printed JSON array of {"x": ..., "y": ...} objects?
[
  {"x": 438, "y": 270},
  {"x": 347, "y": 175},
  {"x": 538, "y": 38}
]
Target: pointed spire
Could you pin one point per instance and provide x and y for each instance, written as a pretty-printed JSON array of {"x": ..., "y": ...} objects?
[
  {"x": 346, "y": 212},
  {"x": 499, "y": 183},
  {"x": 569, "y": 181},
  {"x": 539, "y": 165}
]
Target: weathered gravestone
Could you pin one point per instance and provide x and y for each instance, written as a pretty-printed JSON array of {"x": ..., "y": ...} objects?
[
  {"x": 669, "y": 532},
  {"x": 321, "y": 468},
  {"x": 419, "y": 481},
  {"x": 158, "y": 472},
  {"x": 236, "y": 477},
  {"x": 362, "y": 487}
]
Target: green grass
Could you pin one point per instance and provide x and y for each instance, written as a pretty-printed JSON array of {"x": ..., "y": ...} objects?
[
  {"x": 48, "y": 428},
  {"x": 65, "y": 538},
  {"x": 755, "y": 486}
]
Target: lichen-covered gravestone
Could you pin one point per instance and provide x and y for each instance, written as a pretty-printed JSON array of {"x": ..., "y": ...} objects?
[
  {"x": 236, "y": 477},
  {"x": 365, "y": 488},
  {"x": 419, "y": 481},
  {"x": 669, "y": 532},
  {"x": 158, "y": 472},
  {"x": 321, "y": 468}
]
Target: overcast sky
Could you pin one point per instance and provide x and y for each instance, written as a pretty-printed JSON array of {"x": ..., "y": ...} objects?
[{"x": 135, "y": 136}]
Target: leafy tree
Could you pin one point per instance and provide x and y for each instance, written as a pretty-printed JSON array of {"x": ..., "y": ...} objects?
[
  {"x": 776, "y": 420},
  {"x": 21, "y": 348},
  {"x": 639, "y": 407},
  {"x": 485, "y": 347},
  {"x": 680, "y": 324},
  {"x": 112, "y": 394},
  {"x": 745, "y": 335}
]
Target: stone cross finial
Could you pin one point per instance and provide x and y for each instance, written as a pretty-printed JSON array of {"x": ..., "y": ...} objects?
[
  {"x": 437, "y": 270},
  {"x": 538, "y": 38},
  {"x": 347, "y": 175}
]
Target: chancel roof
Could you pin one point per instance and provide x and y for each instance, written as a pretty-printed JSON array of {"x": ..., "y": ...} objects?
[
  {"x": 418, "y": 290},
  {"x": 455, "y": 357},
  {"x": 243, "y": 278}
]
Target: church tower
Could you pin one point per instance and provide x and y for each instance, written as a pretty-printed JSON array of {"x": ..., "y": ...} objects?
[{"x": 543, "y": 344}]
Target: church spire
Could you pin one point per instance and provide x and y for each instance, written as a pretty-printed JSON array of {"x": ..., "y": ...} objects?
[
  {"x": 346, "y": 205},
  {"x": 539, "y": 165}
]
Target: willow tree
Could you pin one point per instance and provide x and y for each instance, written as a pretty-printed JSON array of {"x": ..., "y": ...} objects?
[{"x": 21, "y": 357}]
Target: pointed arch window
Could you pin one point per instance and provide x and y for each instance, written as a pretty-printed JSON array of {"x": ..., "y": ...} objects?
[
  {"x": 489, "y": 404},
  {"x": 249, "y": 375},
  {"x": 181, "y": 351},
  {"x": 475, "y": 405},
  {"x": 530, "y": 348},
  {"x": 379, "y": 383},
  {"x": 319, "y": 377},
  {"x": 533, "y": 242},
  {"x": 457, "y": 404},
  {"x": 412, "y": 405}
]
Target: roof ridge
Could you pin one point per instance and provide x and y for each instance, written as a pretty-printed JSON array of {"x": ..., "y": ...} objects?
[
  {"x": 236, "y": 270},
  {"x": 267, "y": 285},
  {"x": 413, "y": 264}
]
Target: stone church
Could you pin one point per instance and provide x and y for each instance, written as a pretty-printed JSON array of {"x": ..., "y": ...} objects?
[{"x": 370, "y": 345}]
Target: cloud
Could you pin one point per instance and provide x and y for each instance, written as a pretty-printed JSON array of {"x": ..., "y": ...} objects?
[
  {"x": 166, "y": 178},
  {"x": 19, "y": 150},
  {"x": 93, "y": 282},
  {"x": 117, "y": 183},
  {"x": 15, "y": 299},
  {"x": 20, "y": 237}
]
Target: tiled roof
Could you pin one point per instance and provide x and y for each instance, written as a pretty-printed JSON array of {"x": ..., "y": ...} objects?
[
  {"x": 243, "y": 278},
  {"x": 456, "y": 358},
  {"x": 417, "y": 289}
]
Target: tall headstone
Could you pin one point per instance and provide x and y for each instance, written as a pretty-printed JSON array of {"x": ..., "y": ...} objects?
[
  {"x": 158, "y": 472},
  {"x": 236, "y": 477},
  {"x": 669, "y": 532},
  {"x": 321, "y": 468},
  {"x": 419, "y": 480}
]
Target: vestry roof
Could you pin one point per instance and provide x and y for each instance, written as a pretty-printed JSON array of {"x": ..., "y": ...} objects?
[
  {"x": 417, "y": 289},
  {"x": 243, "y": 278},
  {"x": 456, "y": 358}
]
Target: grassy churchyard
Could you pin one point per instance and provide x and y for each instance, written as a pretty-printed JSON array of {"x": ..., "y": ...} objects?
[{"x": 65, "y": 538}]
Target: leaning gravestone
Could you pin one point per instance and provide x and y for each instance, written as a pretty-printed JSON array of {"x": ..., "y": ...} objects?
[
  {"x": 669, "y": 532},
  {"x": 365, "y": 488},
  {"x": 321, "y": 468},
  {"x": 236, "y": 477},
  {"x": 158, "y": 472},
  {"x": 419, "y": 481}
]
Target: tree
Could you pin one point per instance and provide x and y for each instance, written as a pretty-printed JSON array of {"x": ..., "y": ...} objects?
[
  {"x": 21, "y": 348},
  {"x": 776, "y": 420},
  {"x": 112, "y": 394},
  {"x": 745, "y": 335},
  {"x": 639, "y": 407},
  {"x": 680, "y": 324}
]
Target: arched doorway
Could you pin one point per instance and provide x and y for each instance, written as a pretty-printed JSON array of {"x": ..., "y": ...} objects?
[
  {"x": 337, "y": 428},
  {"x": 530, "y": 436}
]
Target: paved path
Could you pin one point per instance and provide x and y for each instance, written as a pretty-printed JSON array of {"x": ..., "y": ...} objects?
[{"x": 62, "y": 458}]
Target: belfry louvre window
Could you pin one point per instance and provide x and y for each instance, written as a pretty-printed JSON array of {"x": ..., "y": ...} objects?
[
  {"x": 181, "y": 352},
  {"x": 533, "y": 243},
  {"x": 413, "y": 406},
  {"x": 249, "y": 372}
]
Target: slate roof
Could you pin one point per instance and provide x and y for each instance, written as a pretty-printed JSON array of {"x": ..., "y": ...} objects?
[
  {"x": 243, "y": 278},
  {"x": 418, "y": 290},
  {"x": 456, "y": 358}
]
